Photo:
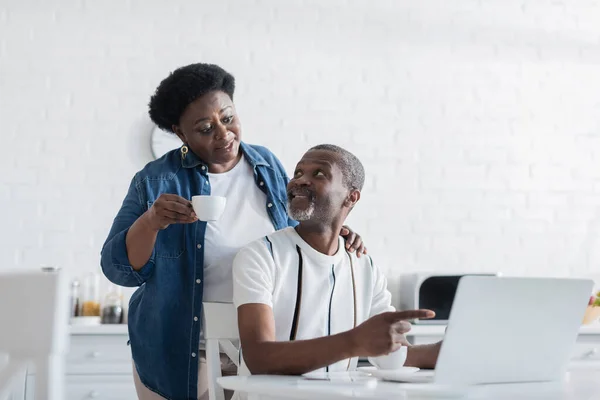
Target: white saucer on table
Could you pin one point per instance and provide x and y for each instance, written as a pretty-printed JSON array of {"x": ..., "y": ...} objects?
[
  {"x": 389, "y": 374},
  {"x": 339, "y": 377}
]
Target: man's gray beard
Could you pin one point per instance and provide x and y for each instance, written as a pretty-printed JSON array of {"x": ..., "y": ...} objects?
[{"x": 301, "y": 215}]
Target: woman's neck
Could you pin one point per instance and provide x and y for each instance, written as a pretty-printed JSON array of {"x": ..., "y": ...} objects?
[{"x": 225, "y": 167}]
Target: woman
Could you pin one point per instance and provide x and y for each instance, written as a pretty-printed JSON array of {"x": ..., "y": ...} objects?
[{"x": 157, "y": 243}]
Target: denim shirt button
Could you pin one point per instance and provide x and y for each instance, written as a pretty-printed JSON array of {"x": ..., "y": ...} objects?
[
  {"x": 199, "y": 246},
  {"x": 195, "y": 318},
  {"x": 198, "y": 281},
  {"x": 193, "y": 354},
  {"x": 203, "y": 168},
  {"x": 270, "y": 205},
  {"x": 262, "y": 183}
]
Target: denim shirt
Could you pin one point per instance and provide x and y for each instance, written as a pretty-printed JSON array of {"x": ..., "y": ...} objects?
[{"x": 163, "y": 330}]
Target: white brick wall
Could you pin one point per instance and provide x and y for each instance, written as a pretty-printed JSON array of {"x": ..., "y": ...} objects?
[{"x": 478, "y": 122}]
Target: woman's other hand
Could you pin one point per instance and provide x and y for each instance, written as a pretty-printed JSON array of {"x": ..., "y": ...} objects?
[
  {"x": 170, "y": 209},
  {"x": 353, "y": 241}
]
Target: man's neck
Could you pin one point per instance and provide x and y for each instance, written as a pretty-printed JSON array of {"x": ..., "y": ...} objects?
[{"x": 324, "y": 239}]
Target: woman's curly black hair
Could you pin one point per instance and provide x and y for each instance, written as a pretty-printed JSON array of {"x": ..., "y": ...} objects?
[{"x": 183, "y": 86}]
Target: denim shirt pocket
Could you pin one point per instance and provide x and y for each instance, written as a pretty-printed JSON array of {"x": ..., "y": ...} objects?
[{"x": 170, "y": 242}]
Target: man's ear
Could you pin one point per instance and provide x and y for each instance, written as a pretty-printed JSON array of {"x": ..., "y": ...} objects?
[
  {"x": 352, "y": 198},
  {"x": 179, "y": 133}
]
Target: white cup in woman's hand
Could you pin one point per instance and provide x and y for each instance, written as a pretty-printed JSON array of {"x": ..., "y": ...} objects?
[
  {"x": 394, "y": 360},
  {"x": 208, "y": 208}
]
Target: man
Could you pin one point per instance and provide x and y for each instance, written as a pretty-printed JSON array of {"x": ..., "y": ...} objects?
[{"x": 304, "y": 303}]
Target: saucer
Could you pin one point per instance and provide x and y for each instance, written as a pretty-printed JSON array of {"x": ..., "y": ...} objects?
[
  {"x": 339, "y": 377},
  {"x": 388, "y": 374}
]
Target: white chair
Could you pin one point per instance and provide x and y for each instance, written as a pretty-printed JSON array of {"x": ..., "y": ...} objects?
[
  {"x": 34, "y": 311},
  {"x": 220, "y": 330}
]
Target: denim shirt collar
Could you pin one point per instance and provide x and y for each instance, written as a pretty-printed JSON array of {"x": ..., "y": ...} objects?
[{"x": 254, "y": 158}]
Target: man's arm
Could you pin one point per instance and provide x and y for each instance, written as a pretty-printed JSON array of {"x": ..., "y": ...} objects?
[
  {"x": 379, "y": 335},
  {"x": 263, "y": 355},
  {"x": 253, "y": 276},
  {"x": 421, "y": 356}
]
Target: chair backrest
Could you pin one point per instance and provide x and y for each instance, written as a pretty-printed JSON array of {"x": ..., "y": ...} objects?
[
  {"x": 220, "y": 329},
  {"x": 34, "y": 308}
]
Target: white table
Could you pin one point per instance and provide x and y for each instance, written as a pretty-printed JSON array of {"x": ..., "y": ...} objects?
[{"x": 580, "y": 384}]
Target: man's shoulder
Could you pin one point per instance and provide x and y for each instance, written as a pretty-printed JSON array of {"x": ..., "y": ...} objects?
[
  {"x": 279, "y": 239},
  {"x": 260, "y": 254},
  {"x": 364, "y": 264},
  {"x": 366, "y": 261}
]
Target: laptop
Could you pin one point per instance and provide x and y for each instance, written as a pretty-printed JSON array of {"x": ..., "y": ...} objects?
[{"x": 509, "y": 330}]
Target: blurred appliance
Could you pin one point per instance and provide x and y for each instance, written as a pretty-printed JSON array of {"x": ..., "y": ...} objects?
[{"x": 432, "y": 291}]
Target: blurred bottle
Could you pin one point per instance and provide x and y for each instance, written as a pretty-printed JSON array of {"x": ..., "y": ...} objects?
[
  {"x": 112, "y": 306},
  {"x": 90, "y": 301},
  {"x": 75, "y": 299}
]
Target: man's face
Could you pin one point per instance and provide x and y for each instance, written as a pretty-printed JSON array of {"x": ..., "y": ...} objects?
[{"x": 317, "y": 191}]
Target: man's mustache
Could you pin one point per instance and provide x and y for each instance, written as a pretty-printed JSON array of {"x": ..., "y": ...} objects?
[{"x": 300, "y": 191}]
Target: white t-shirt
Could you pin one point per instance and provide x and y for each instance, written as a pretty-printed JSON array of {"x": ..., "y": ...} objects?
[
  {"x": 244, "y": 220},
  {"x": 272, "y": 269}
]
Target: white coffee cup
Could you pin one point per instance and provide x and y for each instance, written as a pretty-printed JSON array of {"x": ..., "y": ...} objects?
[
  {"x": 209, "y": 208},
  {"x": 393, "y": 360}
]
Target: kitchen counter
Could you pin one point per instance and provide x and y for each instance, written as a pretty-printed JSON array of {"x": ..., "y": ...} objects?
[
  {"x": 108, "y": 329},
  {"x": 417, "y": 330}
]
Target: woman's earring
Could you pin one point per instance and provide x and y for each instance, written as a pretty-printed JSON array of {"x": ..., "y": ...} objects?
[{"x": 184, "y": 151}]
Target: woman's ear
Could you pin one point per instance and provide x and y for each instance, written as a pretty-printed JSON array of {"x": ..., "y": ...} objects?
[
  {"x": 179, "y": 133},
  {"x": 352, "y": 198}
]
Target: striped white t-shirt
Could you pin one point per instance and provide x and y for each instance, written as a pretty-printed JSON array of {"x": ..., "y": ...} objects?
[{"x": 312, "y": 294}]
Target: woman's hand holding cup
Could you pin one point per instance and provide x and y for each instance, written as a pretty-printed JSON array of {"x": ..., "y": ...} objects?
[{"x": 170, "y": 209}]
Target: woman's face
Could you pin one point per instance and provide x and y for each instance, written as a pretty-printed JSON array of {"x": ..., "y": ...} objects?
[{"x": 211, "y": 129}]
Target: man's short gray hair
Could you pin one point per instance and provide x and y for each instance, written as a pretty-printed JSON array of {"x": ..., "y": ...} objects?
[{"x": 352, "y": 169}]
